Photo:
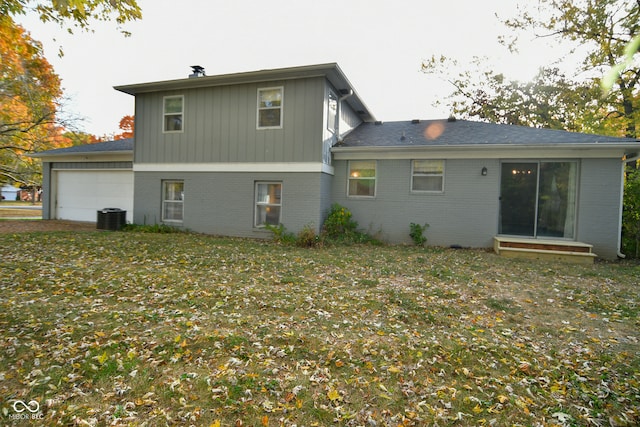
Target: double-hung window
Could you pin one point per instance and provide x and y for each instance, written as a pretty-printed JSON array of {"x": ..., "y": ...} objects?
[
  {"x": 173, "y": 113},
  {"x": 427, "y": 176},
  {"x": 268, "y": 204},
  {"x": 172, "y": 201},
  {"x": 270, "y": 107},
  {"x": 362, "y": 178}
]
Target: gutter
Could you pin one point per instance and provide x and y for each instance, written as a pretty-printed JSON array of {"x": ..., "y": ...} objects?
[{"x": 346, "y": 93}]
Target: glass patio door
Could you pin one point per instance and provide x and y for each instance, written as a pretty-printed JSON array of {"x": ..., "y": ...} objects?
[{"x": 538, "y": 199}]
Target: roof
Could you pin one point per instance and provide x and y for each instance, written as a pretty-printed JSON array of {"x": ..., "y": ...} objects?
[
  {"x": 120, "y": 146},
  {"x": 439, "y": 133},
  {"x": 330, "y": 71}
]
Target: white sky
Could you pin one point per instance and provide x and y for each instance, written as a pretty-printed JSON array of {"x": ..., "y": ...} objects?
[{"x": 379, "y": 44}]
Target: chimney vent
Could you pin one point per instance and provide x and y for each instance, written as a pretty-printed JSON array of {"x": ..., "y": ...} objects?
[{"x": 198, "y": 71}]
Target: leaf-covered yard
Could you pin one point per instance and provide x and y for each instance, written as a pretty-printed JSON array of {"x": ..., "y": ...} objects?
[{"x": 181, "y": 329}]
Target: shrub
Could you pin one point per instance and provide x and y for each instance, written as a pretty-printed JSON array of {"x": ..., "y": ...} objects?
[
  {"x": 152, "y": 228},
  {"x": 416, "y": 231},
  {"x": 340, "y": 227},
  {"x": 307, "y": 237},
  {"x": 339, "y": 222},
  {"x": 280, "y": 234}
]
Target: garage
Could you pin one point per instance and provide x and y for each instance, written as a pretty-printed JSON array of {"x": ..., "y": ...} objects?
[
  {"x": 80, "y": 180},
  {"x": 80, "y": 193}
]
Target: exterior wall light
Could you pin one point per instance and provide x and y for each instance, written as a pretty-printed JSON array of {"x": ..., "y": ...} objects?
[{"x": 484, "y": 171}]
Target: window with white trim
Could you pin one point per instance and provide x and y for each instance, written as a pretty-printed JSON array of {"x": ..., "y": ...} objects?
[
  {"x": 268, "y": 203},
  {"x": 173, "y": 112},
  {"x": 270, "y": 107},
  {"x": 362, "y": 178},
  {"x": 172, "y": 201},
  {"x": 427, "y": 176}
]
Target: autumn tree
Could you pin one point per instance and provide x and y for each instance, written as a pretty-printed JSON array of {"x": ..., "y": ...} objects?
[
  {"x": 29, "y": 91},
  {"x": 127, "y": 124},
  {"x": 29, "y": 88}
]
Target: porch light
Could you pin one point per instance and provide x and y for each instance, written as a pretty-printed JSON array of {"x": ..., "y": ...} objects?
[{"x": 484, "y": 171}]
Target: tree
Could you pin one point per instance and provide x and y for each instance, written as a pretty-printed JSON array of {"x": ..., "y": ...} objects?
[
  {"x": 603, "y": 30},
  {"x": 127, "y": 124},
  {"x": 29, "y": 91},
  {"x": 75, "y": 13},
  {"x": 550, "y": 100}
]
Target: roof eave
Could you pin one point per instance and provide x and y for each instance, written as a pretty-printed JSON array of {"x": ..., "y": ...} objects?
[
  {"x": 80, "y": 153},
  {"x": 331, "y": 71},
  {"x": 557, "y": 150}
]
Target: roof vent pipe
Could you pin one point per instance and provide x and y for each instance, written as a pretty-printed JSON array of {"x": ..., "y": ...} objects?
[{"x": 198, "y": 71}]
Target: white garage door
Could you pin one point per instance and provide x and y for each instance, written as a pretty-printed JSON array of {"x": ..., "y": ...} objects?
[{"x": 81, "y": 193}]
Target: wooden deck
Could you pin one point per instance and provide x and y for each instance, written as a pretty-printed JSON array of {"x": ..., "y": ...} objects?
[{"x": 554, "y": 250}]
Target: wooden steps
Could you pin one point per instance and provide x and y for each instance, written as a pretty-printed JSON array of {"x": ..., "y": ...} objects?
[{"x": 553, "y": 250}]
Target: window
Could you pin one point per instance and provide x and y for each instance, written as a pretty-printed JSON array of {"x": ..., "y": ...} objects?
[
  {"x": 427, "y": 176},
  {"x": 270, "y": 107},
  {"x": 173, "y": 111},
  {"x": 332, "y": 112},
  {"x": 268, "y": 203},
  {"x": 172, "y": 201},
  {"x": 362, "y": 178}
]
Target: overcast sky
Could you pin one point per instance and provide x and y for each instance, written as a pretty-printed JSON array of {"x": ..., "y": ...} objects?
[{"x": 379, "y": 44}]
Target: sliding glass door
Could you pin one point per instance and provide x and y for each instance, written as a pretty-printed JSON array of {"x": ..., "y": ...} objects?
[{"x": 538, "y": 199}]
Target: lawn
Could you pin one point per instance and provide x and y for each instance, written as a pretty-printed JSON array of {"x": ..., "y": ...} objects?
[{"x": 181, "y": 329}]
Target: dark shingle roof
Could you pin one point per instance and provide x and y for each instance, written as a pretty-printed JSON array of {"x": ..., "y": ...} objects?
[
  {"x": 465, "y": 132},
  {"x": 120, "y": 145}
]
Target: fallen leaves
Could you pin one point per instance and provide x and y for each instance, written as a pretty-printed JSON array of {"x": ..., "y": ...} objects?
[{"x": 119, "y": 329}]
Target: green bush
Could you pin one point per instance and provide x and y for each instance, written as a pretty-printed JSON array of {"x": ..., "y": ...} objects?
[
  {"x": 339, "y": 222},
  {"x": 341, "y": 228},
  {"x": 416, "y": 231},
  {"x": 631, "y": 215},
  {"x": 280, "y": 234}
]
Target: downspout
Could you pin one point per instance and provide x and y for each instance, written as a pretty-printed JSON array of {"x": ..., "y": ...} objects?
[
  {"x": 625, "y": 160},
  {"x": 345, "y": 94}
]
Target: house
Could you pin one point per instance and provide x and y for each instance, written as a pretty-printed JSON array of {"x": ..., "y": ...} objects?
[
  {"x": 9, "y": 192},
  {"x": 229, "y": 154}
]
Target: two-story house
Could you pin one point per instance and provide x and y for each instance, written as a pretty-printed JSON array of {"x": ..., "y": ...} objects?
[{"x": 228, "y": 154}]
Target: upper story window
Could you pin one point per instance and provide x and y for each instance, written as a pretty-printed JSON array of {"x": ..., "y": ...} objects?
[
  {"x": 270, "y": 107},
  {"x": 362, "y": 178},
  {"x": 332, "y": 112},
  {"x": 427, "y": 176},
  {"x": 173, "y": 111}
]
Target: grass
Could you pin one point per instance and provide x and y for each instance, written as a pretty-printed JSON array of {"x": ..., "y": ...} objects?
[
  {"x": 15, "y": 209},
  {"x": 177, "y": 329}
]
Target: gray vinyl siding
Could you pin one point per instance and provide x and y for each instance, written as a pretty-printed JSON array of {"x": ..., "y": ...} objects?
[
  {"x": 220, "y": 125},
  {"x": 464, "y": 214},
  {"x": 599, "y": 205},
  {"x": 223, "y": 203}
]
